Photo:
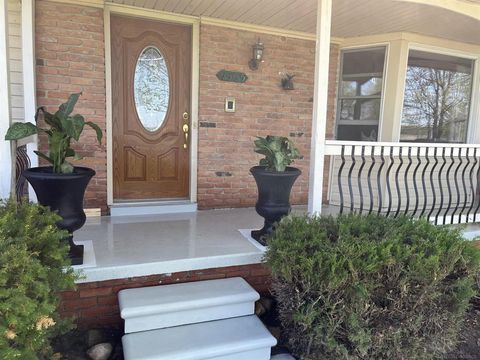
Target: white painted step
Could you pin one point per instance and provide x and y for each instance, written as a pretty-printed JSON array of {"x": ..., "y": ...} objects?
[
  {"x": 241, "y": 338},
  {"x": 159, "y": 307}
]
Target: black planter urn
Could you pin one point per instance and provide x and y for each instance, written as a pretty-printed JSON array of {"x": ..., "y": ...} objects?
[
  {"x": 273, "y": 197},
  {"x": 63, "y": 193}
]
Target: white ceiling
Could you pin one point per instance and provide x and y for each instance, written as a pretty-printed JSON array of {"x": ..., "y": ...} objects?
[{"x": 350, "y": 17}]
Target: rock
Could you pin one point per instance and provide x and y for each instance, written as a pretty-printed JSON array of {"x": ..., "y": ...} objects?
[
  {"x": 282, "y": 357},
  {"x": 94, "y": 337},
  {"x": 259, "y": 309},
  {"x": 100, "y": 351}
]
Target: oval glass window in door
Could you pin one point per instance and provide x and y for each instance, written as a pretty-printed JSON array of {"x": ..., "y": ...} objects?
[{"x": 151, "y": 88}]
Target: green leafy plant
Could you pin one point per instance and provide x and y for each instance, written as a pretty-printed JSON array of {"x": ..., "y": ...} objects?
[
  {"x": 279, "y": 152},
  {"x": 33, "y": 269},
  {"x": 370, "y": 287},
  {"x": 63, "y": 128}
]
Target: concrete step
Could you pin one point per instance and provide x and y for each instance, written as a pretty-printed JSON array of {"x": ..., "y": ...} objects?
[
  {"x": 241, "y": 338},
  {"x": 159, "y": 307}
]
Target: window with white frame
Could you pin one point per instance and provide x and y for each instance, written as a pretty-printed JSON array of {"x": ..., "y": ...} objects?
[
  {"x": 437, "y": 99},
  {"x": 360, "y": 94}
]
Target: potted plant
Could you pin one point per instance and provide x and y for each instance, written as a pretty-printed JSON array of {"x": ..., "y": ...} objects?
[
  {"x": 274, "y": 180},
  {"x": 61, "y": 186}
]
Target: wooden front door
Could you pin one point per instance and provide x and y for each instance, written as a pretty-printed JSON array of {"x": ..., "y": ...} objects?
[{"x": 151, "y": 79}]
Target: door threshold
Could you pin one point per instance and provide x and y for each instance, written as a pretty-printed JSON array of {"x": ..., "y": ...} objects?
[{"x": 152, "y": 208}]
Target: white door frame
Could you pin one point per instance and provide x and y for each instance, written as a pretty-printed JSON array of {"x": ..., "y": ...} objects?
[{"x": 166, "y": 17}]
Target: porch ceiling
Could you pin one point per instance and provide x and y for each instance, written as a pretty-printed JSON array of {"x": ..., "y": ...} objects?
[{"x": 351, "y": 18}]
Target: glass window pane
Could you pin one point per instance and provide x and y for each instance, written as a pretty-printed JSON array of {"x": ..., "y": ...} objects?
[
  {"x": 371, "y": 86},
  {"x": 358, "y": 132},
  {"x": 437, "y": 98},
  {"x": 360, "y": 94},
  {"x": 359, "y": 109},
  {"x": 366, "y": 61},
  {"x": 151, "y": 88},
  {"x": 362, "y": 86}
]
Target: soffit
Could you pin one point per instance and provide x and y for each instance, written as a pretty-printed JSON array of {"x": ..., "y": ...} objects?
[{"x": 351, "y": 18}]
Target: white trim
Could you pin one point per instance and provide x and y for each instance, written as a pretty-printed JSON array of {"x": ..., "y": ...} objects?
[
  {"x": 150, "y": 14},
  {"x": 473, "y": 129},
  {"x": 320, "y": 105},
  {"x": 156, "y": 208},
  {"x": 263, "y": 29},
  {"x": 194, "y": 99},
  {"x": 28, "y": 72},
  {"x": 442, "y": 50},
  {"x": 463, "y": 7},
  {"x": 334, "y": 148},
  {"x": 108, "y": 98},
  {"x": 92, "y": 274},
  {"x": 195, "y": 85},
  {"x": 5, "y": 117},
  {"x": 90, "y": 3}
]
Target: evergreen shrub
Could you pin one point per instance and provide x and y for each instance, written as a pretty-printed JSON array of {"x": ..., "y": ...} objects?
[
  {"x": 370, "y": 287},
  {"x": 33, "y": 268}
]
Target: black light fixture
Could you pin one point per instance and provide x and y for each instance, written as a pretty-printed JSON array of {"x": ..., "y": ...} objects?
[{"x": 257, "y": 55}]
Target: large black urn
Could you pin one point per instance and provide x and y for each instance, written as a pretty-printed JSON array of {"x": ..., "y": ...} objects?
[
  {"x": 64, "y": 194},
  {"x": 273, "y": 197}
]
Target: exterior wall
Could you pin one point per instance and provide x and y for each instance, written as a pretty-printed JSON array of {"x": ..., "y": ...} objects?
[
  {"x": 262, "y": 107},
  {"x": 96, "y": 304},
  {"x": 71, "y": 58},
  {"x": 15, "y": 60}
]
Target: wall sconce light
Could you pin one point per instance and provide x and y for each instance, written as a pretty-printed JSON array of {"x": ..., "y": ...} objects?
[{"x": 257, "y": 57}]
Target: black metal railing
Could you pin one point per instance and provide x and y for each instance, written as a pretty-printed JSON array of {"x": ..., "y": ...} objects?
[
  {"x": 22, "y": 162},
  {"x": 436, "y": 181}
]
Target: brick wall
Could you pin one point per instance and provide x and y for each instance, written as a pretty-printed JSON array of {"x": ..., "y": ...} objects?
[
  {"x": 262, "y": 107},
  {"x": 70, "y": 58},
  {"x": 96, "y": 304}
]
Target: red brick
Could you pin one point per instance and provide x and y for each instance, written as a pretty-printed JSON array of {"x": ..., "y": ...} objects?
[
  {"x": 73, "y": 60},
  {"x": 101, "y": 291},
  {"x": 96, "y": 304}
]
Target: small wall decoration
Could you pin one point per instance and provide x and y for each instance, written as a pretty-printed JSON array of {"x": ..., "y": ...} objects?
[
  {"x": 287, "y": 81},
  {"x": 232, "y": 76}
]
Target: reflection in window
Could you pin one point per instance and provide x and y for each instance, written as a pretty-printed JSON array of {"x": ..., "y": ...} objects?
[
  {"x": 151, "y": 88},
  {"x": 360, "y": 94},
  {"x": 437, "y": 98}
]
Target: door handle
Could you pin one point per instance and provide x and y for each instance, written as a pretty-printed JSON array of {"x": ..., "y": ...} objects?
[{"x": 185, "y": 133}]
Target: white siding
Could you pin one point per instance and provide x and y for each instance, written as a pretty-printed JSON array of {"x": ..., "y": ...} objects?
[{"x": 15, "y": 59}]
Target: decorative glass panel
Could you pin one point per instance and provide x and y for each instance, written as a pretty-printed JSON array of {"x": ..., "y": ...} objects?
[{"x": 151, "y": 88}]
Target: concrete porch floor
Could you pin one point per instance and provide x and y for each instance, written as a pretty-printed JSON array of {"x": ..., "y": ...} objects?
[{"x": 129, "y": 246}]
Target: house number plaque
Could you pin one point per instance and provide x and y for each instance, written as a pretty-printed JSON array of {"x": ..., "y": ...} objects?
[{"x": 232, "y": 76}]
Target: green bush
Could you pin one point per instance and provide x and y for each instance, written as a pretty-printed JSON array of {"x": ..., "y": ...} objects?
[
  {"x": 370, "y": 287},
  {"x": 33, "y": 268}
]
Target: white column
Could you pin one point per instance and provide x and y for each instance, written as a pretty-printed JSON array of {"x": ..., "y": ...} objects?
[
  {"x": 5, "y": 118},
  {"x": 28, "y": 69},
  {"x": 320, "y": 98}
]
